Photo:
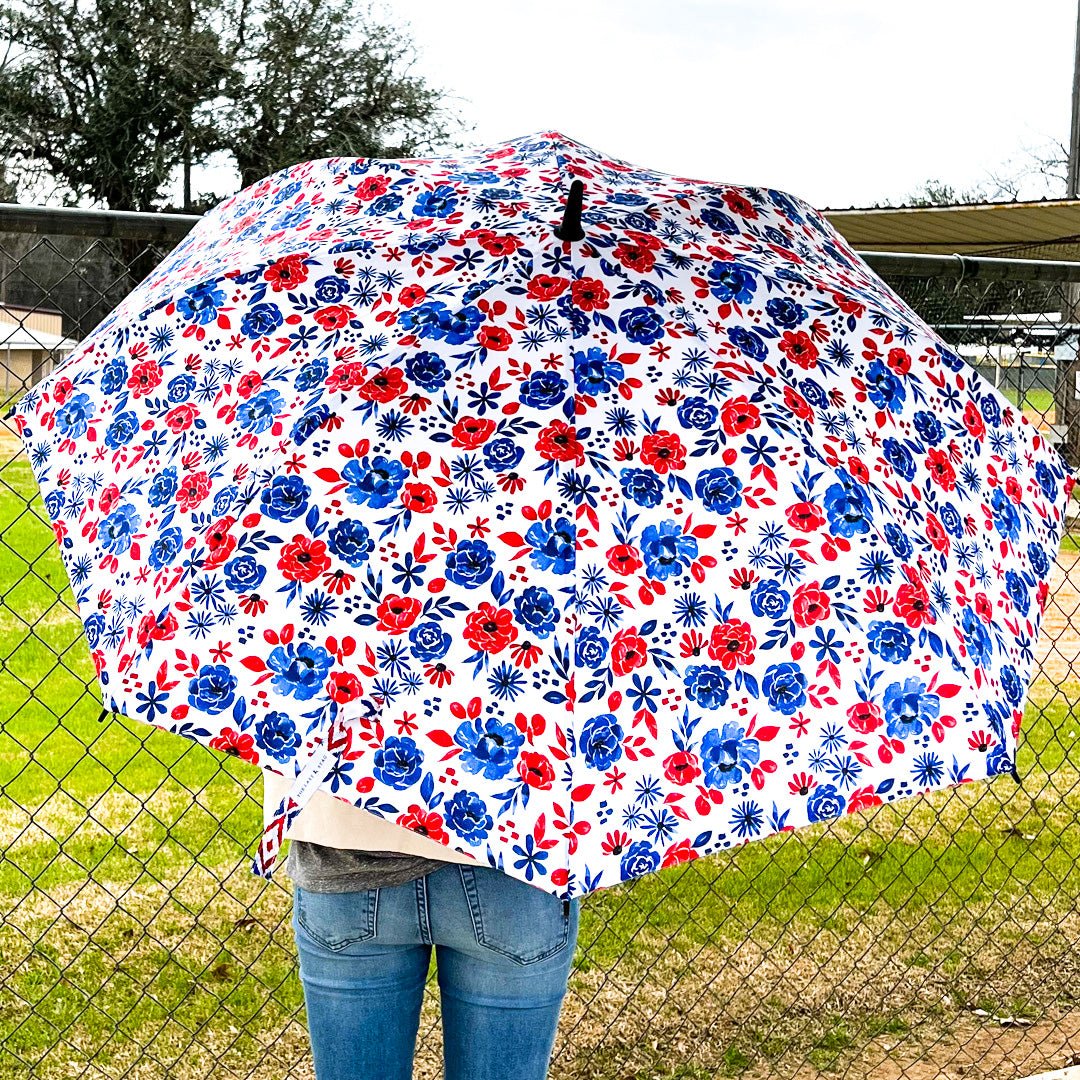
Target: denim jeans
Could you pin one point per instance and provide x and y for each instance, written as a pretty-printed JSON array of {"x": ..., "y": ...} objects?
[{"x": 503, "y": 952}]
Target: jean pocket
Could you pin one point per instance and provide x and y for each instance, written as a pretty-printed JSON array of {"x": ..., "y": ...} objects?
[
  {"x": 512, "y": 917},
  {"x": 336, "y": 920}
]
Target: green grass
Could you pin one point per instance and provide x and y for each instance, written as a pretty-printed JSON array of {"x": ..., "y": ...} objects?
[{"x": 142, "y": 841}]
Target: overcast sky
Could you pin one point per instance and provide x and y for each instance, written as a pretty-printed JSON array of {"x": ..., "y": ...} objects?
[{"x": 843, "y": 102}]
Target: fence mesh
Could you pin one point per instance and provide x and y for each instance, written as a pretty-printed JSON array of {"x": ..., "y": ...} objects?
[{"x": 935, "y": 937}]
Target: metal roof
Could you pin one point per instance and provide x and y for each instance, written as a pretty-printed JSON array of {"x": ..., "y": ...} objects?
[{"x": 1048, "y": 229}]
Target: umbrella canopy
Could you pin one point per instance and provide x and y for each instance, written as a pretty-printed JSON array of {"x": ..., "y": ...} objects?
[{"x": 587, "y": 527}]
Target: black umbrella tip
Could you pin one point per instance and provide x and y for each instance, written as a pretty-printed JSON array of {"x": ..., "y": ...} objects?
[
  {"x": 570, "y": 228},
  {"x": 10, "y": 413}
]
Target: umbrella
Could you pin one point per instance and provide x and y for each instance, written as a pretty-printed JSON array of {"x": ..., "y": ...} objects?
[{"x": 586, "y": 518}]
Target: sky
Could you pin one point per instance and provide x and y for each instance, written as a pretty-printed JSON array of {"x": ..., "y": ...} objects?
[{"x": 842, "y": 102}]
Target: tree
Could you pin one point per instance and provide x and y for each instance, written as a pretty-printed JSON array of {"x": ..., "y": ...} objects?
[
  {"x": 937, "y": 193},
  {"x": 300, "y": 91},
  {"x": 111, "y": 99},
  {"x": 100, "y": 98}
]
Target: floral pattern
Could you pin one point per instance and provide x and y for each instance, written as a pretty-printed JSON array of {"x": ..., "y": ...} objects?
[{"x": 585, "y": 558}]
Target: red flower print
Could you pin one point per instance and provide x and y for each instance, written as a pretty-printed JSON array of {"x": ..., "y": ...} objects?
[
  {"x": 940, "y": 469},
  {"x": 348, "y": 376},
  {"x": 628, "y": 651},
  {"x": 303, "y": 558},
  {"x": 739, "y": 204},
  {"x": 973, "y": 421},
  {"x": 334, "y": 316},
  {"x": 397, "y": 613},
  {"x": 802, "y": 784},
  {"x": 682, "y": 767},
  {"x": 535, "y": 770},
  {"x": 472, "y": 431},
  {"x": 936, "y": 534},
  {"x": 490, "y": 629},
  {"x": 634, "y": 256},
  {"x": 546, "y": 287},
  {"x": 857, "y": 468},
  {"x": 737, "y": 415},
  {"x": 912, "y": 603},
  {"x": 589, "y": 294},
  {"x": 624, "y": 559},
  {"x": 62, "y": 389},
  {"x": 150, "y": 629},
  {"x": 371, "y": 187},
  {"x": 287, "y": 272},
  {"x": 679, "y": 853},
  {"x": 220, "y": 542},
  {"x": 805, "y": 516},
  {"x": 109, "y": 498},
  {"x": 810, "y": 605},
  {"x": 796, "y": 404},
  {"x": 144, "y": 377},
  {"x": 663, "y": 450},
  {"x": 899, "y": 361},
  {"x": 411, "y": 295},
  {"x": 230, "y": 741},
  {"x": 424, "y": 822},
  {"x": 419, "y": 498},
  {"x": 181, "y": 418},
  {"x": 248, "y": 383},
  {"x": 494, "y": 338},
  {"x": 863, "y": 799},
  {"x": 343, "y": 686},
  {"x": 865, "y": 717},
  {"x": 384, "y": 385},
  {"x": 494, "y": 244},
  {"x": 558, "y": 442},
  {"x": 799, "y": 348},
  {"x": 193, "y": 488},
  {"x": 732, "y": 643}
]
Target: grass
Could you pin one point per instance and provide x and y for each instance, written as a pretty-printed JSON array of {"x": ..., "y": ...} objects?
[{"x": 133, "y": 931}]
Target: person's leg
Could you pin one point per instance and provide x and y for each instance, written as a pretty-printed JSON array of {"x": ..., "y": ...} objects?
[
  {"x": 504, "y": 950},
  {"x": 363, "y": 968}
]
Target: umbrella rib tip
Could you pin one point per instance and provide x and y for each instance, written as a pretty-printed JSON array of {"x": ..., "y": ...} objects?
[{"x": 570, "y": 227}]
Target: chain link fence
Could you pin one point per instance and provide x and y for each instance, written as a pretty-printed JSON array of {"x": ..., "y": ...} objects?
[{"x": 937, "y": 937}]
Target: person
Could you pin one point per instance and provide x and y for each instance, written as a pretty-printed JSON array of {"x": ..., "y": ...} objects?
[{"x": 370, "y": 899}]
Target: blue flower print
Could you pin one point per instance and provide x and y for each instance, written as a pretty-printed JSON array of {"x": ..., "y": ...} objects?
[
  {"x": 489, "y": 746},
  {"x": 727, "y": 757},
  {"x": 351, "y": 542},
  {"x": 74, "y": 416},
  {"x": 439, "y": 203},
  {"x": 201, "y": 303},
  {"x": 374, "y": 480},
  {"x": 785, "y": 687},
  {"x": 466, "y": 813},
  {"x": 276, "y": 733},
  {"x": 537, "y": 611},
  {"x": 429, "y": 642},
  {"x": 553, "y": 545},
  {"x": 642, "y": 325},
  {"x": 720, "y": 489},
  {"x": 639, "y": 859},
  {"x": 908, "y": 708},
  {"x": 261, "y": 320},
  {"x": 470, "y": 563},
  {"x": 257, "y": 414},
  {"x": 642, "y": 486},
  {"x": 212, "y": 689},
  {"x": 731, "y": 283},
  {"x": 890, "y": 640},
  {"x": 397, "y": 762},
  {"x": 286, "y": 499},
  {"x": 300, "y": 670},
  {"x": 768, "y": 600},
  {"x": 601, "y": 741},
  {"x": 825, "y": 802},
  {"x": 543, "y": 389},
  {"x": 118, "y": 530},
  {"x": 244, "y": 574},
  {"x": 667, "y": 550},
  {"x": 848, "y": 506},
  {"x": 707, "y": 684}
]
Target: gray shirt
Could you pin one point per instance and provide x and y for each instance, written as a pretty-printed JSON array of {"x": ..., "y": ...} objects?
[{"x": 318, "y": 868}]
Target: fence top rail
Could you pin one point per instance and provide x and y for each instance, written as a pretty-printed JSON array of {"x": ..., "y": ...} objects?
[
  {"x": 967, "y": 267},
  {"x": 76, "y": 221},
  {"x": 141, "y": 225}
]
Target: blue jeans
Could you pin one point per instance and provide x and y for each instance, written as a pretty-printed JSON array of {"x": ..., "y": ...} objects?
[{"x": 503, "y": 955}]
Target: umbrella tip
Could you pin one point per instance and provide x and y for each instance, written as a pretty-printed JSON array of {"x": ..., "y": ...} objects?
[{"x": 570, "y": 228}]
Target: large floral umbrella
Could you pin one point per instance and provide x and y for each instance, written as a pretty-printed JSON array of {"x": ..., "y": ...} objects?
[{"x": 583, "y": 517}]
